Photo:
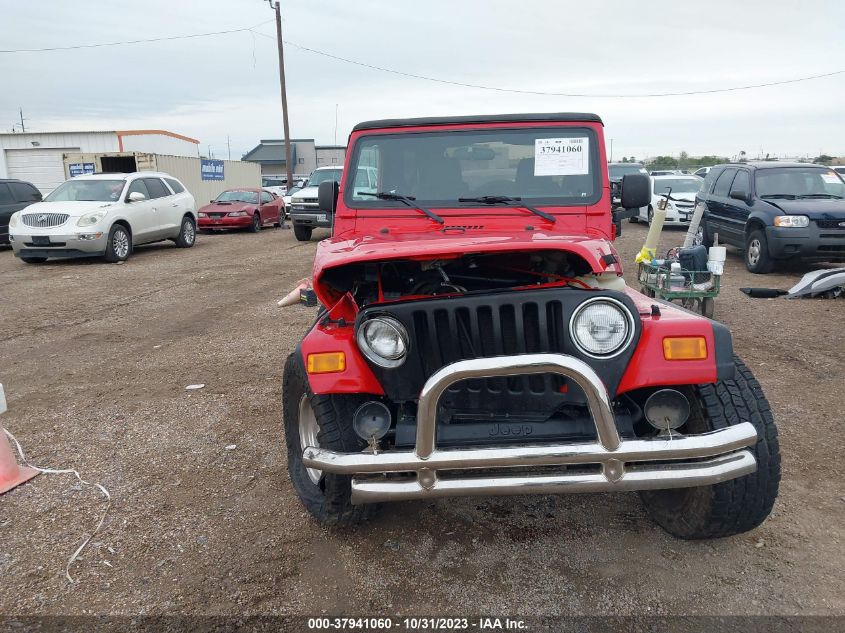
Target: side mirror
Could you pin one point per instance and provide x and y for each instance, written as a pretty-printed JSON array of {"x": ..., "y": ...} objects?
[
  {"x": 327, "y": 196},
  {"x": 636, "y": 191},
  {"x": 136, "y": 196},
  {"x": 211, "y": 201},
  {"x": 37, "y": 197},
  {"x": 738, "y": 195}
]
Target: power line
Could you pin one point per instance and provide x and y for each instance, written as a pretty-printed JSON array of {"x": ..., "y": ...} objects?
[
  {"x": 556, "y": 94},
  {"x": 449, "y": 82},
  {"x": 154, "y": 39}
]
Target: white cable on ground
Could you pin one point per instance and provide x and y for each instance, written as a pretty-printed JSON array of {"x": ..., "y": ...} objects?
[{"x": 64, "y": 471}]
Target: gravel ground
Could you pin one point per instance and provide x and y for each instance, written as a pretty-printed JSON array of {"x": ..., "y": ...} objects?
[{"x": 95, "y": 359}]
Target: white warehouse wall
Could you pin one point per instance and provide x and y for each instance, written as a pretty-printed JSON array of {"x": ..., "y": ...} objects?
[{"x": 76, "y": 141}]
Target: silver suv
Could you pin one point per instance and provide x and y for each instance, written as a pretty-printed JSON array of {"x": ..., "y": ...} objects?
[{"x": 106, "y": 215}]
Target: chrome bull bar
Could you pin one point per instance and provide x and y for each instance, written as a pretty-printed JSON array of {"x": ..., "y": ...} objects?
[{"x": 624, "y": 463}]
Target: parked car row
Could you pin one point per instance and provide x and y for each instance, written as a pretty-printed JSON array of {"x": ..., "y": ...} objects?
[
  {"x": 772, "y": 211},
  {"x": 108, "y": 215}
]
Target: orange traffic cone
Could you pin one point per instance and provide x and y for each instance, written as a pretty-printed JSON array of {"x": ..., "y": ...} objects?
[{"x": 11, "y": 474}]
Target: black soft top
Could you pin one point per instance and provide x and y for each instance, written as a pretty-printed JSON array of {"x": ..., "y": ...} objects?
[{"x": 478, "y": 118}]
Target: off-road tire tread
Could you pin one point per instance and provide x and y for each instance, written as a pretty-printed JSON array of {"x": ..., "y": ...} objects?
[
  {"x": 331, "y": 504},
  {"x": 302, "y": 233},
  {"x": 734, "y": 506}
]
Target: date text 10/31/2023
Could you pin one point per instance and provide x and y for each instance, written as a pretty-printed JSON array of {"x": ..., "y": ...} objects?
[{"x": 416, "y": 624}]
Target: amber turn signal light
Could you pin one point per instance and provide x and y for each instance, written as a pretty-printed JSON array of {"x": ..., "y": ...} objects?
[
  {"x": 684, "y": 348},
  {"x": 326, "y": 362}
]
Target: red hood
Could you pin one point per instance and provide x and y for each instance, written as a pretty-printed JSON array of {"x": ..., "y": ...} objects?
[
  {"x": 434, "y": 244},
  {"x": 227, "y": 207}
]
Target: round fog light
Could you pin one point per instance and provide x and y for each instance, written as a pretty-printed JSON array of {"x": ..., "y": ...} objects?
[
  {"x": 371, "y": 419},
  {"x": 666, "y": 409}
]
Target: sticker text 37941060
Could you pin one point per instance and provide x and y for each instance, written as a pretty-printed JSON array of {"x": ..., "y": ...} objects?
[{"x": 562, "y": 156}]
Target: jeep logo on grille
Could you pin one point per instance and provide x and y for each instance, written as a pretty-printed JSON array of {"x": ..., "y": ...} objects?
[
  {"x": 41, "y": 219},
  {"x": 511, "y": 429}
]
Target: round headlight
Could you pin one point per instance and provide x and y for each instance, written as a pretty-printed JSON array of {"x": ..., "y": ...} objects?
[
  {"x": 601, "y": 327},
  {"x": 383, "y": 340}
]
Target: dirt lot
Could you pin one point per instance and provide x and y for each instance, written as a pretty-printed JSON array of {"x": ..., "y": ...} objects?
[{"x": 95, "y": 359}]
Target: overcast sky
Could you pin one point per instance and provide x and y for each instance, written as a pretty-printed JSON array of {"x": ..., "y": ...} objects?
[{"x": 227, "y": 85}]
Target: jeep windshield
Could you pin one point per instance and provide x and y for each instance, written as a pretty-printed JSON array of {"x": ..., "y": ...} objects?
[
  {"x": 539, "y": 166},
  {"x": 799, "y": 182},
  {"x": 87, "y": 191}
]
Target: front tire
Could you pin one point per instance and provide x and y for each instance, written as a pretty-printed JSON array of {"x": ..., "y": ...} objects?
[
  {"x": 187, "y": 233},
  {"x": 650, "y": 214},
  {"x": 119, "y": 244},
  {"x": 324, "y": 420},
  {"x": 757, "y": 259},
  {"x": 301, "y": 232},
  {"x": 734, "y": 506},
  {"x": 255, "y": 227}
]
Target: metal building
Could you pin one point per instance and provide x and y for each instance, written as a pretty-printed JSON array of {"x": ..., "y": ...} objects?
[
  {"x": 38, "y": 157},
  {"x": 305, "y": 154}
]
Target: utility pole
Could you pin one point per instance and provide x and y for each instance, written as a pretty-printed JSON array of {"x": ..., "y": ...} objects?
[
  {"x": 288, "y": 159},
  {"x": 611, "y": 150},
  {"x": 23, "y": 129},
  {"x": 229, "y": 147}
]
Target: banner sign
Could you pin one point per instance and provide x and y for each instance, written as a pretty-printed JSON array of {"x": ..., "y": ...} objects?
[
  {"x": 211, "y": 169},
  {"x": 77, "y": 169}
]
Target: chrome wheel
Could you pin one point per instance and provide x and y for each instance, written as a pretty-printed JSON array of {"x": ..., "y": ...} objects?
[
  {"x": 754, "y": 250},
  {"x": 188, "y": 232},
  {"x": 308, "y": 429},
  {"x": 120, "y": 244}
]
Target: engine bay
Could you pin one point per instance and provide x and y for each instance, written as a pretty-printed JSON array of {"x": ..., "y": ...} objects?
[{"x": 402, "y": 280}]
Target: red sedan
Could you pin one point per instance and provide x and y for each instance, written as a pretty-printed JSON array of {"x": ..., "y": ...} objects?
[{"x": 242, "y": 209}]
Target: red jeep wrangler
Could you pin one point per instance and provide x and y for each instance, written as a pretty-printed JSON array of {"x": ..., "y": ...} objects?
[{"x": 476, "y": 337}]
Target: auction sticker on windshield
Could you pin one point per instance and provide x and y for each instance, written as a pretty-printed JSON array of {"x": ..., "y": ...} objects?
[{"x": 562, "y": 156}]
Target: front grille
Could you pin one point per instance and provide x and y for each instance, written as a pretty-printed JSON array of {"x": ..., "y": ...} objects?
[
  {"x": 44, "y": 220},
  {"x": 831, "y": 224},
  {"x": 482, "y": 325},
  {"x": 216, "y": 216}
]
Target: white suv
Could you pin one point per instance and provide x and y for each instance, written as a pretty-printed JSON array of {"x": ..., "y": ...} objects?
[{"x": 105, "y": 214}]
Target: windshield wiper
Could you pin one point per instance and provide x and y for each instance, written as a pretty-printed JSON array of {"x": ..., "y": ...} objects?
[
  {"x": 788, "y": 196},
  {"x": 408, "y": 200},
  {"x": 508, "y": 200},
  {"x": 820, "y": 195}
]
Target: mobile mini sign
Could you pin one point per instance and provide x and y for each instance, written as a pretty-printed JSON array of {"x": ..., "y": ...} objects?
[
  {"x": 78, "y": 169},
  {"x": 211, "y": 169}
]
